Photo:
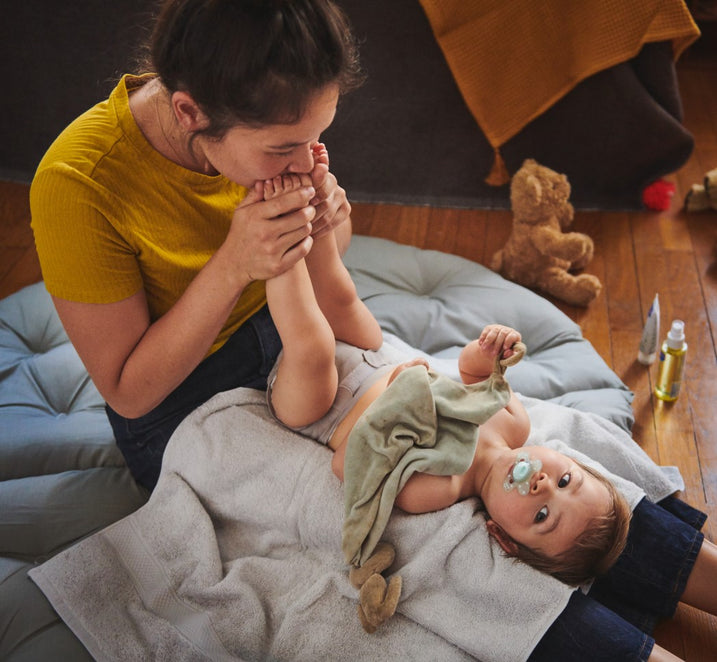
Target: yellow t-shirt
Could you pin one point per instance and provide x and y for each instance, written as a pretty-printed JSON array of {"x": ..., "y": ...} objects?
[{"x": 112, "y": 216}]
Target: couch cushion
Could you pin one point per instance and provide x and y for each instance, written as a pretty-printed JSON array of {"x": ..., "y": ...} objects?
[{"x": 43, "y": 514}]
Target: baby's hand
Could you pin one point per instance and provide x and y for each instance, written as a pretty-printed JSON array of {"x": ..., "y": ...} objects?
[
  {"x": 477, "y": 358},
  {"x": 497, "y": 339}
]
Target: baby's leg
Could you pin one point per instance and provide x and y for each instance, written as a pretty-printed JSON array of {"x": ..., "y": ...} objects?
[
  {"x": 408, "y": 364},
  {"x": 306, "y": 380},
  {"x": 336, "y": 294},
  {"x": 348, "y": 316}
]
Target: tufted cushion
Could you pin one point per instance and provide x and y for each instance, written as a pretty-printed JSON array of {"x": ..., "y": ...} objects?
[
  {"x": 53, "y": 417},
  {"x": 62, "y": 474},
  {"x": 62, "y": 477},
  {"x": 31, "y": 629}
]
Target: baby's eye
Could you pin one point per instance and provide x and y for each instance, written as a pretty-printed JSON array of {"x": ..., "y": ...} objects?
[
  {"x": 541, "y": 515},
  {"x": 564, "y": 481}
]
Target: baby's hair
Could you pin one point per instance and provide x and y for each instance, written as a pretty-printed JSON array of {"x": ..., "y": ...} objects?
[
  {"x": 595, "y": 550},
  {"x": 253, "y": 62}
]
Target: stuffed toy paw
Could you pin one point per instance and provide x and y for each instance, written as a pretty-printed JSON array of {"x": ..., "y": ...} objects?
[
  {"x": 703, "y": 196},
  {"x": 519, "y": 350},
  {"x": 539, "y": 253},
  {"x": 382, "y": 558},
  {"x": 377, "y": 599}
]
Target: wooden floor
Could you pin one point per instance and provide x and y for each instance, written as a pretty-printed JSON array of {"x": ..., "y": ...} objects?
[{"x": 637, "y": 254}]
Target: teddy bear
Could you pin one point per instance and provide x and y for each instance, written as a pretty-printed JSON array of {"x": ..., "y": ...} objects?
[
  {"x": 703, "y": 196},
  {"x": 538, "y": 253}
]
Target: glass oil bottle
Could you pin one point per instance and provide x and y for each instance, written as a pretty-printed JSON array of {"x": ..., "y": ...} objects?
[{"x": 672, "y": 363}]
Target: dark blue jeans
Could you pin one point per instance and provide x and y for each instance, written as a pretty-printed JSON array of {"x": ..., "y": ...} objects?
[
  {"x": 244, "y": 360},
  {"x": 614, "y": 621}
]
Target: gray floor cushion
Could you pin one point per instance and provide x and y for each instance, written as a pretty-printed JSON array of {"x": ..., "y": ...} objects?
[{"x": 62, "y": 477}]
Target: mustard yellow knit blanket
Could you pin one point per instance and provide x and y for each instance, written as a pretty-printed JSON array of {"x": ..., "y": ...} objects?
[{"x": 513, "y": 59}]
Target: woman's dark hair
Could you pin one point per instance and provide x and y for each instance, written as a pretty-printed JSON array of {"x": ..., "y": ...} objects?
[{"x": 253, "y": 62}]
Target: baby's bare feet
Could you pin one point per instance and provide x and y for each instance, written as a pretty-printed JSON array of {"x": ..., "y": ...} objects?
[
  {"x": 281, "y": 184},
  {"x": 321, "y": 165}
]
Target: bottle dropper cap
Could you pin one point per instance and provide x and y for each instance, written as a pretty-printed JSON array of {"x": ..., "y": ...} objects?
[{"x": 676, "y": 335}]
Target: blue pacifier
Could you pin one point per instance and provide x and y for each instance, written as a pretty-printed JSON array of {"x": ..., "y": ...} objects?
[{"x": 522, "y": 472}]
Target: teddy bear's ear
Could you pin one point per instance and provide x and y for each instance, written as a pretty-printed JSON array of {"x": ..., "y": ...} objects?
[{"x": 533, "y": 189}]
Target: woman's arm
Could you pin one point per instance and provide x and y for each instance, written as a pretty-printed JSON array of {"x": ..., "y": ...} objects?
[{"x": 135, "y": 364}]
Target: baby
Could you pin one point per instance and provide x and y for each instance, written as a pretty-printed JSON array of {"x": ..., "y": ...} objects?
[{"x": 542, "y": 506}]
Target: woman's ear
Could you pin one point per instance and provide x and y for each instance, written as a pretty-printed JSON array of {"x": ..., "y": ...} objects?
[
  {"x": 507, "y": 544},
  {"x": 188, "y": 113}
]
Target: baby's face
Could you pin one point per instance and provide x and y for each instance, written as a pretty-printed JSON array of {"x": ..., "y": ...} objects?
[{"x": 562, "y": 500}]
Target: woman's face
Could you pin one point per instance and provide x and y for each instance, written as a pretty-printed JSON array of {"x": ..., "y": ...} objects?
[{"x": 246, "y": 155}]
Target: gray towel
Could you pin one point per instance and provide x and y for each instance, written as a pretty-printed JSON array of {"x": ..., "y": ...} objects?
[{"x": 236, "y": 555}]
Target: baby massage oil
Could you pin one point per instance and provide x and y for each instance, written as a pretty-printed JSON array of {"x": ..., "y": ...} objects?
[{"x": 672, "y": 363}]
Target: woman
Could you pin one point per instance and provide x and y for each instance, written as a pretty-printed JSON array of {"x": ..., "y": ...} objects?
[{"x": 153, "y": 245}]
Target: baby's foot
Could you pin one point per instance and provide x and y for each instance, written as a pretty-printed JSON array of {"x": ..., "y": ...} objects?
[
  {"x": 281, "y": 184},
  {"x": 321, "y": 165}
]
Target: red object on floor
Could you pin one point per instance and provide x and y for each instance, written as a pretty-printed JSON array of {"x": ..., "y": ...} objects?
[{"x": 658, "y": 195}]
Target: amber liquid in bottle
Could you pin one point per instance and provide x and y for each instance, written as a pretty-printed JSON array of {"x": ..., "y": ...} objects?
[{"x": 672, "y": 363}]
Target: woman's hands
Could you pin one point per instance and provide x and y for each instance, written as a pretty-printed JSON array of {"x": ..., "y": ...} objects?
[{"x": 267, "y": 237}]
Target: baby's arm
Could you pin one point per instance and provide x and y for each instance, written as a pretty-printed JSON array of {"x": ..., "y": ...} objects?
[
  {"x": 425, "y": 493},
  {"x": 478, "y": 357}
]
